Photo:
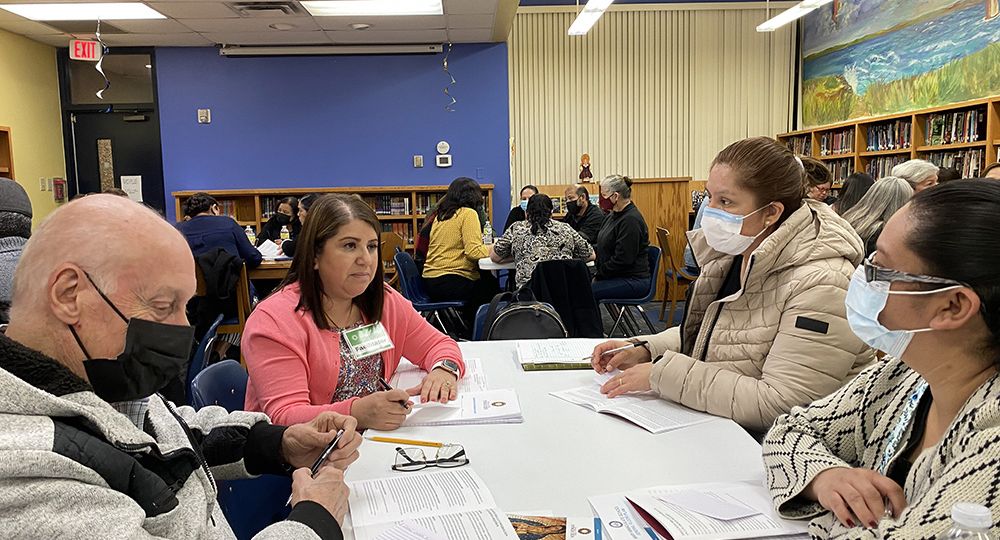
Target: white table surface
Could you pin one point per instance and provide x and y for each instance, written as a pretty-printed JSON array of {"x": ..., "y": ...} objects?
[
  {"x": 488, "y": 264},
  {"x": 564, "y": 453}
]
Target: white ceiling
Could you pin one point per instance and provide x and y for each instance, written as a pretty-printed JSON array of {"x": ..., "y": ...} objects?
[{"x": 204, "y": 23}]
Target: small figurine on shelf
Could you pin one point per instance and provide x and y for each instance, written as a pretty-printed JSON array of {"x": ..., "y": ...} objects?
[{"x": 585, "y": 174}]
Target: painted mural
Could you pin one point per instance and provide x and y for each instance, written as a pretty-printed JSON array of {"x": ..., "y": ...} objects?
[{"x": 872, "y": 57}]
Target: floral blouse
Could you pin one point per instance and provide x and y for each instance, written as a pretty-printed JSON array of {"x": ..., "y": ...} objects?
[{"x": 557, "y": 242}]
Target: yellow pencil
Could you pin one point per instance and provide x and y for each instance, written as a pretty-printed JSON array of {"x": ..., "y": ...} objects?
[{"x": 405, "y": 441}]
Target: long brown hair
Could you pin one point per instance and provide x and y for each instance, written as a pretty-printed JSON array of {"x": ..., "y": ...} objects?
[
  {"x": 768, "y": 169},
  {"x": 326, "y": 216}
]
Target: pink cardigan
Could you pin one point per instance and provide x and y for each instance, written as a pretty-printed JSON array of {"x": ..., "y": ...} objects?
[{"x": 294, "y": 365}]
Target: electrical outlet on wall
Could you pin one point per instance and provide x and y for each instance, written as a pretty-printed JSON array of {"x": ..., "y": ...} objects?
[
  {"x": 42, "y": 184},
  {"x": 418, "y": 161},
  {"x": 204, "y": 116}
]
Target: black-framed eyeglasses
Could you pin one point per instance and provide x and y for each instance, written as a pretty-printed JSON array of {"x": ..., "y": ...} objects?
[
  {"x": 413, "y": 459},
  {"x": 874, "y": 272}
]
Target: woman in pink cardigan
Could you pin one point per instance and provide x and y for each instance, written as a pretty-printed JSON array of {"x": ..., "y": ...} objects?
[{"x": 298, "y": 362}]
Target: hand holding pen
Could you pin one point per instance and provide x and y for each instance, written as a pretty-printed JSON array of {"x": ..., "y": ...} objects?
[{"x": 619, "y": 354}]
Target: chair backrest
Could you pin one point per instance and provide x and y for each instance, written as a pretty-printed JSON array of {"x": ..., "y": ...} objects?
[
  {"x": 653, "y": 253},
  {"x": 223, "y": 383},
  {"x": 663, "y": 239},
  {"x": 202, "y": 353},
  {"x": 392, "y": 243},
  {"x": 409, "y": 278}
]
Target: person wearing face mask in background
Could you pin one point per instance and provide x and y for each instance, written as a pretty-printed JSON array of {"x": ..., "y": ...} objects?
[
  {"x": 622, "y": 265},
  {"x": 585, "y": 218},
  {"x": 890, "y": 454},
  {"x": 765, "y": 327},
  {"x": 91, "y": 450},
  {"x": 306, "y": 202},
  {"x": 518, "y": 212},
  {"x": 285, "y": 216}
]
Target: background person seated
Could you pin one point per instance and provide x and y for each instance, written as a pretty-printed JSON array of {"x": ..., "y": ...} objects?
[
  {"x": 299, "y": 362},
  {"x": 622, "y": 262},
  {"x": 98, "y": 327},
  {"x": 306, "y": 202},
  {"x": 15, "y": 229},
  {"x": 286, "y": 215},
  {"x": 518, "y": 212},
  {"x": 919, "y": 429},
  {"x": 872, "y": 212},
  {"x": 921, "y": 174},
  {"x": 539, "y": 238},
  {"x": 765, "y": 329},
  {"x": 451, "y": 270},
  {"x": 209, "y": 229},
  {"x": 585, "y": 218}
]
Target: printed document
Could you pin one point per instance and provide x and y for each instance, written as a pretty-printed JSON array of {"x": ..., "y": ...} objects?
[
  {"x": 646, "y": 410},
  {"x": 409, "y": 376},
  {"x": 542, "y": 354},
  {"x": 487, "y": 407}
]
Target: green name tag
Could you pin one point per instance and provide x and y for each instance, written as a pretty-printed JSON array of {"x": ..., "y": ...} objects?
[{"x": 367, "y": 340}]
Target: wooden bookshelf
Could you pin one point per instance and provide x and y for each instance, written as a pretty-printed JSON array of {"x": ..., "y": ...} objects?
[
  {"x": 246, "y": 205},
  {"x": 987, "y": 137},
  {"x": 6, "y": 153}
]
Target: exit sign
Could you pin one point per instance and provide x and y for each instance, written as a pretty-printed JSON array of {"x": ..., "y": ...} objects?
[{"x": 80, "y": 49}]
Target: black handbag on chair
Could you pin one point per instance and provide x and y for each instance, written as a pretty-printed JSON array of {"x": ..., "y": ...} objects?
[{"x": 517, "y": 315}]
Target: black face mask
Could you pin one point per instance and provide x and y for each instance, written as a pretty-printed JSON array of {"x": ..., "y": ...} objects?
[
  {"x": 573, "y": 207},
  {"x": 154, "y": 354},
  {"x": 283, "y": 219}
]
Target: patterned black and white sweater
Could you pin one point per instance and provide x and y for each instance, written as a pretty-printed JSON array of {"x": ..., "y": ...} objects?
[{"x": 850, "y": 428}]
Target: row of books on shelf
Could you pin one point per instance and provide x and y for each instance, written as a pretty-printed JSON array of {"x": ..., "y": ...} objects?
[
  {"x": 841, "y": 169},
  {"x": 696, "y": 198},
  {"x": 968, "y": 162},
  {"x": 890, "y": 136},
  {"x": 801, "y": 144},
  {"x": 402, "y": 228},
  {"x": 228, "y": 208},
  {"x": 955, "y": 127},
  {"x": 881, "y": 166},
  {"x": 836, "y": 142},
  {"x": 427, "y": 201},
  {"x": 389, "y": 205},
  {"x": 269, "y": 205}
]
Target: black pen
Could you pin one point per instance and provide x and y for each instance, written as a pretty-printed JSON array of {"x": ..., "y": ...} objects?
[
  {"x": 620, "y": 349},
  {"x": 322, "y": 457},
  {"x": 385, "y": 386}
]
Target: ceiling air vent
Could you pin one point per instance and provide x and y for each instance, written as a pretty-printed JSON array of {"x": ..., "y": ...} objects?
[{"x": 266, "y": 9}]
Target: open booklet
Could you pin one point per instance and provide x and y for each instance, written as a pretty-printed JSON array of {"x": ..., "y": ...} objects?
[
  {"x": 474, "y": 380},
  {"x": 551, "y": 354},
  {"x": 486, "y": 407},
  {"x": 716, "y": 511},
  {"x": 453, "y": 504},
  {"x": 647, "y": 411}
]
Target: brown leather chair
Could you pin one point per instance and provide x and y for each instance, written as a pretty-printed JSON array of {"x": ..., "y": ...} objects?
[
  {"x": 391, "y": 242},
  {"x": 676, "y": 278}
]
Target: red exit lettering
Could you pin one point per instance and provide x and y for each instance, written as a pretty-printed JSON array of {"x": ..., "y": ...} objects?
[{"x": 84, "y": 50}]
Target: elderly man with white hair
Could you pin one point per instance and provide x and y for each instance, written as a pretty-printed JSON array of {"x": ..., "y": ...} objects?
[
  {"x": 88, "y": 449},
  {"x": 921, "y": 174}
]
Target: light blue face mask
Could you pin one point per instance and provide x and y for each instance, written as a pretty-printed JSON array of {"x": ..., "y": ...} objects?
[
  {"x": 523, "y": 205},
  {"x": 865, "y": 302}
]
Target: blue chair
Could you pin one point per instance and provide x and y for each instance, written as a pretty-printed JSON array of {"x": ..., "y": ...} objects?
[
  {"x": 202, "y": 354},
  {"x": 622, "y": 304},
  {"x": 249, "y": 505},
  {"x": 413, "y": 289}
]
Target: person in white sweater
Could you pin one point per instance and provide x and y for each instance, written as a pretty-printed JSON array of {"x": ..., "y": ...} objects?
[{"x": 889, "y": 455}]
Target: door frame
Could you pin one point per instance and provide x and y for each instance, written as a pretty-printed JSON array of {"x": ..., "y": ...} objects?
[{"x": 68, "y": 109}]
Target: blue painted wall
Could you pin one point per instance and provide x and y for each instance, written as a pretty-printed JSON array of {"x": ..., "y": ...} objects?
[{"x": 332, "y": 120}]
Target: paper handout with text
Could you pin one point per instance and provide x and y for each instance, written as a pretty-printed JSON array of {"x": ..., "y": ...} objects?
[
  {"x": 645, "y": 410},
  {"x": 455, "y": 504},
  {"x": 489, "y": 407},
  {"x": 473, "y": 380},
  {"x": 546, "y": 354},
  {"x": 686, "y": 511}
]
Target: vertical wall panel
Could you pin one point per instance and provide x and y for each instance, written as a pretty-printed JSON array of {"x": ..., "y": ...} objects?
[{"x": 647, "y": 93}]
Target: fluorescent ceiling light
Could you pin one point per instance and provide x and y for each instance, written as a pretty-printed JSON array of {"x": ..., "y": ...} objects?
[
  {"x": 588, "y": 17},
  {"x": 371, "y": 8},
  {"x": 795, "y": 12},
  {"x": 83, "y": 12}
]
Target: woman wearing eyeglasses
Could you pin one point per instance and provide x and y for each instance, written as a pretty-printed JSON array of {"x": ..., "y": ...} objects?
[{"x": 889, "y": 455}]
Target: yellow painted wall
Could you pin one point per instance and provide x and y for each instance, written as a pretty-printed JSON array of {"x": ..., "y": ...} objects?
[{"x": 29, "y": 105}]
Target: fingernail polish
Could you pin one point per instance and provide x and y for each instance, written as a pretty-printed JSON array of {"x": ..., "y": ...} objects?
[
  {"x": 872, "y": 524},
  {"x": 850, "y": 523}
]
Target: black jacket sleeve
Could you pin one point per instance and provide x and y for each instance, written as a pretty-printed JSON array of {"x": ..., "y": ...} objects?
[
  {"x": 592, "y": 223},
  {"x": 628, "y": 243},
  {"x": 313, "y": 515}
]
